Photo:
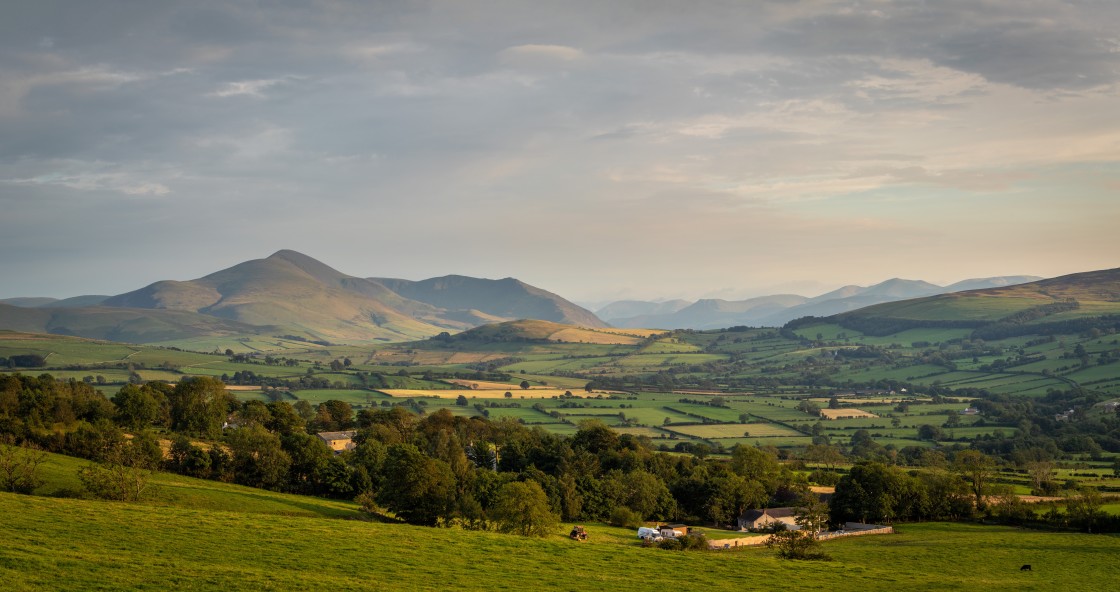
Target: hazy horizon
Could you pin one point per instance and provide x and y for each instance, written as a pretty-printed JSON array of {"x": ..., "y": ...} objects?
[
  {"x": 808, "y": 288},
  {"x": 601, "y": 151}
]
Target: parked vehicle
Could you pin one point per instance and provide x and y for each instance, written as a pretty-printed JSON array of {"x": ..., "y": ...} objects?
[
  {"x": 669, "y": 532},
  {"x": 649, "y": 534}
]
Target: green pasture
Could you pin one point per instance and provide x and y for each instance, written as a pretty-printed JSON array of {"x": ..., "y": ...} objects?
[
  {"x": 642, "y": 431},
  {"x": 564, "y": 382},
  {"x": 161, "y": 375},
  {"x": 153, "y": 357},
  {"x": 65, "y": 351},
  {"x": 775, "y": 409},
  {"x": 734, "y": 430},
  {"x": 97, "y": 545},
  {"x": 352, "y": 396},
  {"x": 776, "y": 441},
  {"x": 528, "y": 414},
  {"x": 112, "y": 375},
  {"x": 654, "y": 416},
  {"x": 1095, "y": 372},
  {"x": 242, "y": 345},
  {"x": 556, "y": 365},
  {"x": 60, "y": 473},
  {"x": 713, "y": 413},
  {"x": 669, "y": 346}
]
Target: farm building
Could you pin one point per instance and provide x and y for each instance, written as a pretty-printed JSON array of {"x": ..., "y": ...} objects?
[
  {"x": 338, "y": 441},
  {"x": 670, "y": 531},
  {"x": 761, "y": 518}
]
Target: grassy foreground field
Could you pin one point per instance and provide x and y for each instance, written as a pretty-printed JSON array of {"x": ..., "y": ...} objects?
[
  {"x": 60, "y": 473},
  {"x": 68, "y": 544}
]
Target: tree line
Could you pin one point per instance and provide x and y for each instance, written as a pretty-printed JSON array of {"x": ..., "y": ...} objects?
[{"x": 444, "y": 469}]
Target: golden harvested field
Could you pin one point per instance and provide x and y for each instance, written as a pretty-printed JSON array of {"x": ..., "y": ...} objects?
[
  {"x": 843, "y": 413},
  {"x": 596, "y": 336}
]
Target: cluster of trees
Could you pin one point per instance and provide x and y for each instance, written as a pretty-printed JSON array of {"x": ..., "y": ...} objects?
[
  {"x": 432, "y": 469},
  {"x": 873, "y": 492},
  {"x": 23, "y": 361},
  {"x": 439, "y": 468}
]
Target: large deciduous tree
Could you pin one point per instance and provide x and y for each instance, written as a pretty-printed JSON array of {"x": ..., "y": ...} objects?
[
  {"x": 258, "y": 458},
  {"x": 138, "y": 407},
  {"x": 522, "y": 507},
  {"x": 976, "y": 468},
  {"x": 199, "y": 405},
  {"x": 418, "y": 489}
]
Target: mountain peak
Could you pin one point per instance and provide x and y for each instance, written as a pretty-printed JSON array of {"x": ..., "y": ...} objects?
[
  {"x": 292, "y": 257},
  {"x": 309, "y": 265}
]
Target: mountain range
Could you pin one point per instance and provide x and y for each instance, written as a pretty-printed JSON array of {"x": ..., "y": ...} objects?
[
  {"x": 1068, "y": 304},
  {"x": 776, "y": 310},
  {"x": 293, "y": 294}
]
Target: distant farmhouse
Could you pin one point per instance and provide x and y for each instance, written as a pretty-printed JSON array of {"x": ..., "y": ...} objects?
[
  {"x": 755, "y": 519},
  {"x": 338, "y": 441}
]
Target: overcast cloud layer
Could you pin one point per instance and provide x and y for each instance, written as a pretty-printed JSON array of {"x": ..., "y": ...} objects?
[{"x": 596, "y": 149}]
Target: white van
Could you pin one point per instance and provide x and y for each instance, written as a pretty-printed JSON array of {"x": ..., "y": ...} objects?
[{"x": 649, "y": 534}]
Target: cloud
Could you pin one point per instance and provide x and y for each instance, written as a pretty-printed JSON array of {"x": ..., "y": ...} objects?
[
  {"x": 732, "y": 126},
  {"x": 116, "y": 182},
  {"x": 535, "y": 52},
  {"x": 252, "y": 88}
]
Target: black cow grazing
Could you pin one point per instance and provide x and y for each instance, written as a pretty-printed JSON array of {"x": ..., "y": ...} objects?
[{"x": 1026, "y": 567}]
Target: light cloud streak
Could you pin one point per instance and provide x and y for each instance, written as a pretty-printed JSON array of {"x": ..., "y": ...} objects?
[{"x": 594, "y": 149}]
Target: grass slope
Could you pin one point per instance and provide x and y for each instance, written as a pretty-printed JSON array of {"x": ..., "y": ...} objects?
[
  {"x": 533, "y": 330},
  {"x": 167, "y": 489},
  {"x": 1097, "y": 291},
  {"x": 63, "y": 544}
]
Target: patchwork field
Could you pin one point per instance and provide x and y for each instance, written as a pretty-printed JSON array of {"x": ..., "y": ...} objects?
[
  {"x": 845, "y": 413},
  {"x": 735, "y": 430},
  {"x": 517, "y": 393}
]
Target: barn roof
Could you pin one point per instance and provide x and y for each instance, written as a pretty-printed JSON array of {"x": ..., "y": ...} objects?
[
  {"x": 752, "y": 515},
  {"x": 328, "y": 436}
]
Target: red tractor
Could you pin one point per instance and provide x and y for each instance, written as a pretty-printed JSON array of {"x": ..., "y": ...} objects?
[{"x": 578, "y": 533}]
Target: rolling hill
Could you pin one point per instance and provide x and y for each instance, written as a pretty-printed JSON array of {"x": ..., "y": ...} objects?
[
  {"x": 626, "y": 309},
  {"x": 132, "y": 325},
  {"x": 1064, "y": 303},
  {"x": 291, "y": 293},
  {"x": 545, "y": 331},
  {"x": 42, "y": 302},
  {"x": 466, "y": 297},
  {"x": 773, "y": 311},
  {"x": 715, "y": 314}
]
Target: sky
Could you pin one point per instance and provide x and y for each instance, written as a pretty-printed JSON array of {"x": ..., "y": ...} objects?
[{"x": 600, "y": 150}]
